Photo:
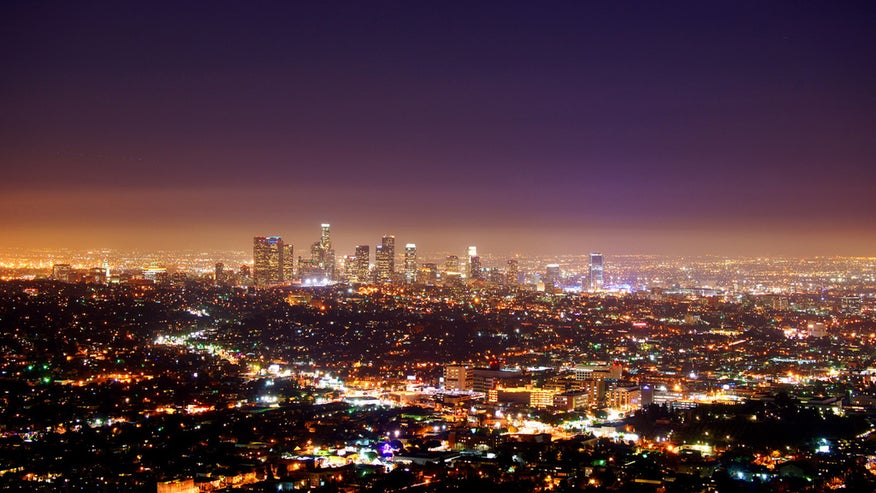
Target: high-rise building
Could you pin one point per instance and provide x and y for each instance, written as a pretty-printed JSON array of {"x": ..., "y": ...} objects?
[
  {"x": 381, "y": 264},
  {"x": 321, "y": 266},
  {"x": 219, "y": 273},
  {"x": 552, "y": 276},
  {"x": 410, "y": 263},
  {"x": 288, "y": 262},
  {"x": 363, "y": 257},
  {"x": 451, "y": 264},
  {"x": 596, "y": 271},
  {"x": 385, "y": 258},
  {"x": 267, "y": 256},
  {"x": 350, "y": 265},
  {"x": 474, "y": 267},
  {"x": 328, "y": 253},
  {"x": 475, "y": 270},
  {"x": 326, "y": 240},
  {"x": 473, "y": 263},
  {"x": 512, "y": 273},
  {"x": 322, "y": 257}
]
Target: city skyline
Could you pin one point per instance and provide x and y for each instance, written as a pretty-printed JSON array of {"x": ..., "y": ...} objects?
[
  {"x": 687, "y": 128},
  {"x": 392, "y": 246}
]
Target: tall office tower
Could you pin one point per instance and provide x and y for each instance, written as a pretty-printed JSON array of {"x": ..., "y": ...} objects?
[
  {"x": 596, "y": 271},
  {"x": 322, "y": 256},
  {"x": 288, "y": 265},
  {"x": 316, "y": 256},
  {"x": 472, "y": 253},
  {"x": 474, "y": 267},
  {"x": 350, "y": 266},
  {"x": 384, "y": 255},
  {"x": 512, "y": 273},
  {"x": 326, "y": 240},
  {"x": 219, "y": 273},
  {"x": 551, "y": 275},
  {"x": 363, "y": 256},
  {"x": 381, "y": 264},
  {"x": 267, "y": 256},
  {"x": 388, "y": 242},
  {"x": 451, "y": 263},
  {"x": 410, "y": 263},
  {"x": 327, "y": 262}
]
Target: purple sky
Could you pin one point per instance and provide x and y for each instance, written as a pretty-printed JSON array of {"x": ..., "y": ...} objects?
[{"x": 532, "y": 127}]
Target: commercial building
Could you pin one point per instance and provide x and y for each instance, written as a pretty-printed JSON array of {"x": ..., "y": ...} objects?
[
  {"x": 596, "y": 271},
  {"x": 363, "y": 257},
  {"x": 410, "y": 263},
  {"x": 385, "y": 258},
  {"x": 269, "y": 262}
]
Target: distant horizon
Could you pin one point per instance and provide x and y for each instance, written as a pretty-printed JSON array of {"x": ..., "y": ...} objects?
[
  {"x": 685, "y": 128},
  {"x": 803, "y": 246}
]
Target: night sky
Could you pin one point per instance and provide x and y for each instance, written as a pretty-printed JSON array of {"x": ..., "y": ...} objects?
[{"x": 530, "y": 127}]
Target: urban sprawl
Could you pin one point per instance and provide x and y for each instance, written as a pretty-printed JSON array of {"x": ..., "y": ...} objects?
[{"x": 282, "y": 370}]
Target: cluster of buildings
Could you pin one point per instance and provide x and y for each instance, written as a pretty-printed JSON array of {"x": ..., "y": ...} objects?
[
  {"x": 586, "y": 386},
  {"x": 274, "y": 263}
]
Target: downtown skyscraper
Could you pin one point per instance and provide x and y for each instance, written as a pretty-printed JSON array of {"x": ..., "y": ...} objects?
[
  {"x": 363, "y": 257},
  {"x": 474, "y": 263},
  {"x": 323, "y": 255},
  {"x": 384, "y": 256},
  {"x": 410, "y": 263},
  {"x": 596, "y": 271},
  {"x": 272, "y": 260}
]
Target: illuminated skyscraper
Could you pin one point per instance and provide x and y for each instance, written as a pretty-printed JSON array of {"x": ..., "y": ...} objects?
[
  {"x": 267, "y": 256},
  {"x": 363, "y": 257},
  {"x": 325, "y": 239},
  {"x": 474, "y": 266},
  {"x": 451, "y": 264},
  {"x": 474, "y": 263},
  {"x": 288, "y": 263},
  {"x": 552, "y": 276},
  {"x": 410, "y": 263},
  {"x": 328, "y": 258},
  {"x": 381, "y": 264},
  {"x": 596, "y": 271},
  {"x": 385, "y": 258},
  {"x": 322, "y": 255},
  {"x": 350, "y": 265}
]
